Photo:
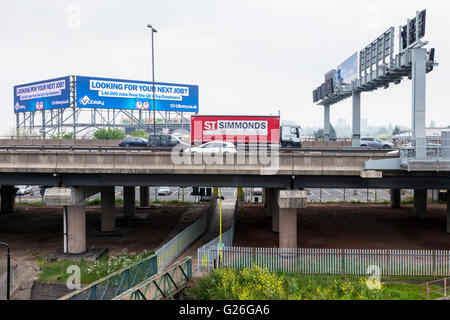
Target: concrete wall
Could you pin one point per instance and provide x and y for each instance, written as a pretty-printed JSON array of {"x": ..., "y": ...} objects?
[
  {"x": 321, "y": 144},
  {"x": 93, "y": 162}
]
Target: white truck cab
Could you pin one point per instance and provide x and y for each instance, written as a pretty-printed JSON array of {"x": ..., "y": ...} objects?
[{"x": 290, "y": 134}]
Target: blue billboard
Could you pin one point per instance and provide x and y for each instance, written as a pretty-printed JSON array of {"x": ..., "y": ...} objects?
[
  {"x": 42, "y": 95},
  {"x": 135, "y": 95}
]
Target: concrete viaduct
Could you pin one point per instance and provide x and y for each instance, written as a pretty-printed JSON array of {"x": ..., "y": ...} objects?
[{"x": 78, "y": 174}]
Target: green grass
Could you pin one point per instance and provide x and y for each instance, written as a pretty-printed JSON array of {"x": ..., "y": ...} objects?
[
  {"x": 257, "y": 283},
  {"x": 52, "y": 272},
  {"x": 56, "y": 272},
  {"x": 31, "y": 204}
]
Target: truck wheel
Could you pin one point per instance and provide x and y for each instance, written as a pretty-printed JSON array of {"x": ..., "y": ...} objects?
[{"x": 289, "y": 145}]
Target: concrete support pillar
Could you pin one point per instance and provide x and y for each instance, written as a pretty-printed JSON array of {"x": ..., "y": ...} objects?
[
  {"x": 272, "y": 209},
  {"x": 264, "y": 197},
  {"x": 275, "y": 218},
  {"x": 420, "y": 203},
  {"x": 395, "y": 198},
  {"x": 288, "y": 228},
  {"x": 448, "y": 211},
  {"x": 288, "y": 202},
  {"x": 108, "y": 216},
  {"x": 419, "y": 59},
  {"x": 326, "y": 122},
  {"x": 433, "y": 194},
  {"x": 129, "y": 201},
  {"x": 356, "y": 119},
  {"x": 144, "y": 196},
  {"x": 8, "y": 199},
  {"x": 76, "y": 229}
]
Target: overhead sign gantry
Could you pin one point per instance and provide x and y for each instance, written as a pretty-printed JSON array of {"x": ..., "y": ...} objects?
[{"x": 377, "y": 67}]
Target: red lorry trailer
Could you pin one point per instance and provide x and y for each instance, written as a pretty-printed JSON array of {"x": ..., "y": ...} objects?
[{"x": 236, "y": 129}]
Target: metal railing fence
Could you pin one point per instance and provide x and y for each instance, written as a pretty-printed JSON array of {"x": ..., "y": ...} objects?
[
  {"x": 172, "y": 249},
  {"x": 117, "y": 282},
  {"x": 437, "y": 149},
  {"x": 203, "y": 263},
  {"x": 163, "y": 285},
  {"x": 389, "y": 262}
]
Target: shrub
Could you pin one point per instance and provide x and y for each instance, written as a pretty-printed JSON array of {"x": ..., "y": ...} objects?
[
  {"x": 109, "y": 134},
  {"x": 139, "y": 133},
  {"x": 100, "y": 269},
  {"x": 260, "y": 284}
]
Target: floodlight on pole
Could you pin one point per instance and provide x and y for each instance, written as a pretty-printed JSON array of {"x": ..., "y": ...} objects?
[{"x": 153, "y": 85}]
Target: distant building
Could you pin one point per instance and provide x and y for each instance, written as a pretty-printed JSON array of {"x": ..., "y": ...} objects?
[
  {"x": 341, "y": 123},
  {"x": 363, "y": 125}
]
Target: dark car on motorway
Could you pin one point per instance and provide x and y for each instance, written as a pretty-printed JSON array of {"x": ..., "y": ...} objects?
[
  {"x": 165, "y": 140},
  {"x": 134, "y": 142}
]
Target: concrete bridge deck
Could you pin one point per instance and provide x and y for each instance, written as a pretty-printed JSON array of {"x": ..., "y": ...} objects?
[{"x": 95, "y": 162}]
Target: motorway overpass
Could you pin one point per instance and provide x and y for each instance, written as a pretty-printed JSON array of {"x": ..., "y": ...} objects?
[
  {"x": 298, "y": 169},
  {"x": 79, "y": 173}
]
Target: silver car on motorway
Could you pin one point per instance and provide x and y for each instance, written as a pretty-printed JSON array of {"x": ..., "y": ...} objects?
[{"x": 372, "y": 142}]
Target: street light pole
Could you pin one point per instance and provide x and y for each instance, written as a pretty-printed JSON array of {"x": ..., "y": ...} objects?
[
  {"x": 153, "y": 80},
  {"x": 8, "y": 270}
]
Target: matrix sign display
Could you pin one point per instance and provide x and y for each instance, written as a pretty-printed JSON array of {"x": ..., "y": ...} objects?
[
  {"x": 42, "y": 95},
  {"x": 135, "y": 95}
]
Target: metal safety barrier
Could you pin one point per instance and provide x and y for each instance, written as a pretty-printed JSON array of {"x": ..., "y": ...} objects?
[
  {"x": 172, "y": 249},
  {"x": 389, "y": 262},
  {"x": 163, "y": 285},
  {"x": 437, "y": 149},
  {"x": 117, "y": 282}
]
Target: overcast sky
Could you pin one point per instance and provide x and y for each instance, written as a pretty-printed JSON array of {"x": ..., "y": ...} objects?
[{"x": 247, "y": 57}]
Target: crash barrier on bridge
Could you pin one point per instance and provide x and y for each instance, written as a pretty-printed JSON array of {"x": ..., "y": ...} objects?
[
  {"x": 208, "y": 254},
  {"x": 387, "y": 262},
  {"x": 344, "y": 143},
  {"x": 163, "y": 285},
  {"x": 59, "y": 142},
  {"x": 117, "y": 282},
  {"x": 172, "y": 249}
]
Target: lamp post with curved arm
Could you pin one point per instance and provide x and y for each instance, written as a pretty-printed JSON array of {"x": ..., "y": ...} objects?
[{"x": 153, "y": 80}]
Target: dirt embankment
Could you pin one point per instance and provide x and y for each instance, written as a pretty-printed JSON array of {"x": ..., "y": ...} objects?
[{"x": 350, "y": 226}]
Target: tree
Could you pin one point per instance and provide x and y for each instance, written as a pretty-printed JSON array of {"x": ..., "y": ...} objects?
[
  {"x": 139, "y": 133},
  {"x": 396, "y": 130},
  {"x": 432, "y": 124},
  {"x": 332, "y": 133},
  {"x": 320, "y": 134},
  {"x": 109, "y": 134}
]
